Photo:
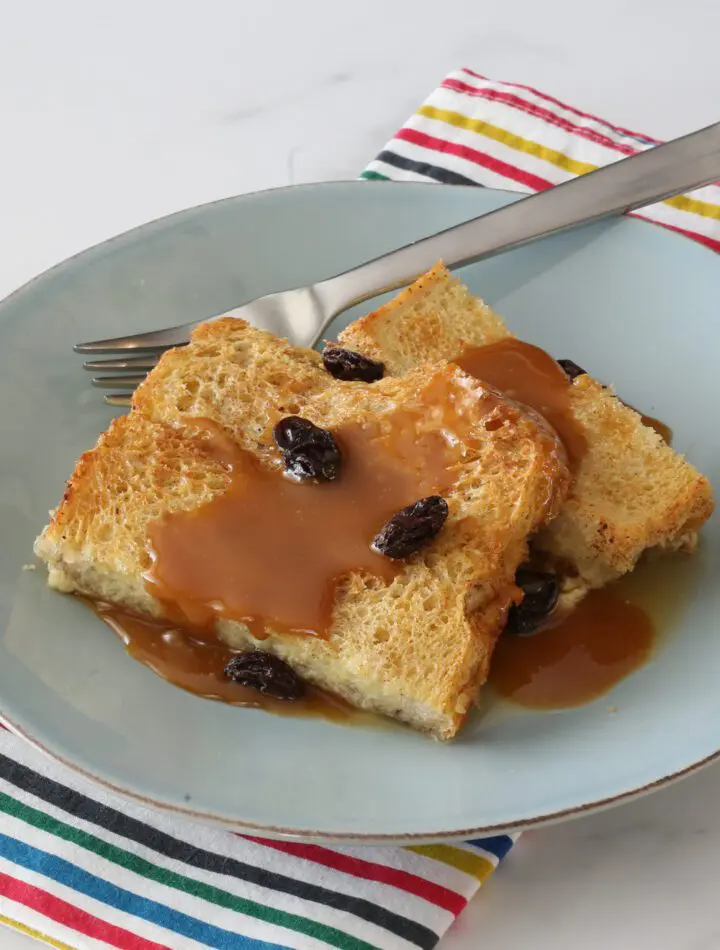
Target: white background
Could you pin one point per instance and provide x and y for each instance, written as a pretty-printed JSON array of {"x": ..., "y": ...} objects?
[{"x": 114, "y": 114}]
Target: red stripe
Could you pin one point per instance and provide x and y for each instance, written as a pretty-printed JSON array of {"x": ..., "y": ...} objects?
[
  {"x": 473, "y": 155},
  {"x": 73, "y": 917},
  {"x": 589, "y": 134},
  {"x": 564, "y": 105},
  {"x": 712, "y": 243},
  {"x": 370, "y": 871},
  {"x": 531, "y": 108}
]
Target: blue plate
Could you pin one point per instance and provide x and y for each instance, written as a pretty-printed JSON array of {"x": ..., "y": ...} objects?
[{"x": 636, "y": 304}]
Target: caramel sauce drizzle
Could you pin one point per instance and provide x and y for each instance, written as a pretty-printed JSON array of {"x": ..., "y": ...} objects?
[
  {"x": 196, "y": 664},
  {"x": 532, "y": 377},
  {"x": 269, "y": 552},
  {"x": 663, "y": 430},
  {"x": 576, "y": 658}
]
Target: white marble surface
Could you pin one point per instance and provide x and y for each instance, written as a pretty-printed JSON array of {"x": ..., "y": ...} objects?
[{"x": 114, "y": 114}]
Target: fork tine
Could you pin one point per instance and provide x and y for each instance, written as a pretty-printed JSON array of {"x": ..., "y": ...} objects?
[
  {"x": 135, "y": 362},
  {"x": 118, "y": 382},
  {"x": 155, "y": 340},
  {"x": 118, "y": 399}
]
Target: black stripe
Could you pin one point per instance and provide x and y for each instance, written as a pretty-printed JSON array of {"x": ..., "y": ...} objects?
[
  {"x": 79, "y": 805},
  {"x": 423, "y": 168}
]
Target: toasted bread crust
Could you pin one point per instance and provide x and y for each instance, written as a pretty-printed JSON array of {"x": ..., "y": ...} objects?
[
  {"x": 632, "y": 492},
  {"x": 416, "y": 648},
  {"x": 435, "y": 318}
]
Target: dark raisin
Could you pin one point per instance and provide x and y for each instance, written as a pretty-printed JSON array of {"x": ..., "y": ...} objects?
[
  {"x": 572, "y": 369},
  {"x": 309, "y": 452},
  {"x": 348, "y": 365},
  {"x": 293, "y": 431},
  {"x": 541, "y": 592},
  {"x": 266, "y": 673},
  {"x": 313, "y": 462},
  {"x": 412, "y": 528}
]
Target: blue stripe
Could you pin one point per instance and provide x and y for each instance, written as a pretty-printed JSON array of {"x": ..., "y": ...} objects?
[
  {"x": 63, "y": 872},
  {"x": 498, "y": 845},
  {"x": 637, "y": 138}
]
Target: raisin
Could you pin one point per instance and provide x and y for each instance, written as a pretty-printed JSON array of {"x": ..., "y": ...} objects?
[
  {"x": 348, "y": 365},
  {"x": 309, "y": 452},
  {"x": 572, "y": 369},
  {"x": 293, "y": 431},
  {"x": 412, "y": 528},
  {"x": 266, "y": 673},
  {"x": 313, "y": 463},
  {"x": 541, "y": 592}
]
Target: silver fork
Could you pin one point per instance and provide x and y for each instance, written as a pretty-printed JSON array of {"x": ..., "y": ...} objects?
[{"x": 303, "y": 314}]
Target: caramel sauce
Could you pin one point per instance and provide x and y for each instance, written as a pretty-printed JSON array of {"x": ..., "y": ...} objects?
[
  {"x": 607, "y": 636},
  {"x": 580, "y": 658},
  {"x": 196, "y": 665},
  {"x": 269, "y": 552},
  {"x": 664, "y": 431},
  {"x": 530, "y": 376},
  {"x": 613, "y": 632}
]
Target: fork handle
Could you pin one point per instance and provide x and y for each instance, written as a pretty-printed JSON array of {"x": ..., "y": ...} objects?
[{"x": 657, "y": 173}]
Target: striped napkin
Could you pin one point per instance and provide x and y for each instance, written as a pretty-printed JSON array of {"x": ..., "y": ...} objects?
[
  {"x": 82, "y": 868},
  {"x": 476, "y": 131}
]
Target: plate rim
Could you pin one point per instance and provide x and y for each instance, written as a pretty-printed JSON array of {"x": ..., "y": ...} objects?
[
  {"x": 304, "y": 834},
  {"x": 311, "y": 185},
  {"x": 278, "y": 832}
]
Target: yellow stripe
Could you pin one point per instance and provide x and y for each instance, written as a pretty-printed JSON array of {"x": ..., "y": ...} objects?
[
  {"x": 507, "y": 138},
  {"x": 681, "y": 202},
  {"x": 475, "y": 865},
  {"x": 695, "y": 206},
  {"x": 30, "y": 932}
]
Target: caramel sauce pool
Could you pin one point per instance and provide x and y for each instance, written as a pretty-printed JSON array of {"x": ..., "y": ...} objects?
[
  {"x": 197, "y": 666},
  {"x": 612, "y": 633},
  {"x": 583, "y": 656}
]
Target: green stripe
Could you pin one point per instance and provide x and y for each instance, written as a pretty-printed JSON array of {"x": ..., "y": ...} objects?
[
  {"x": 143, "y": 868},
  {"x": 374, "y": 176}
]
